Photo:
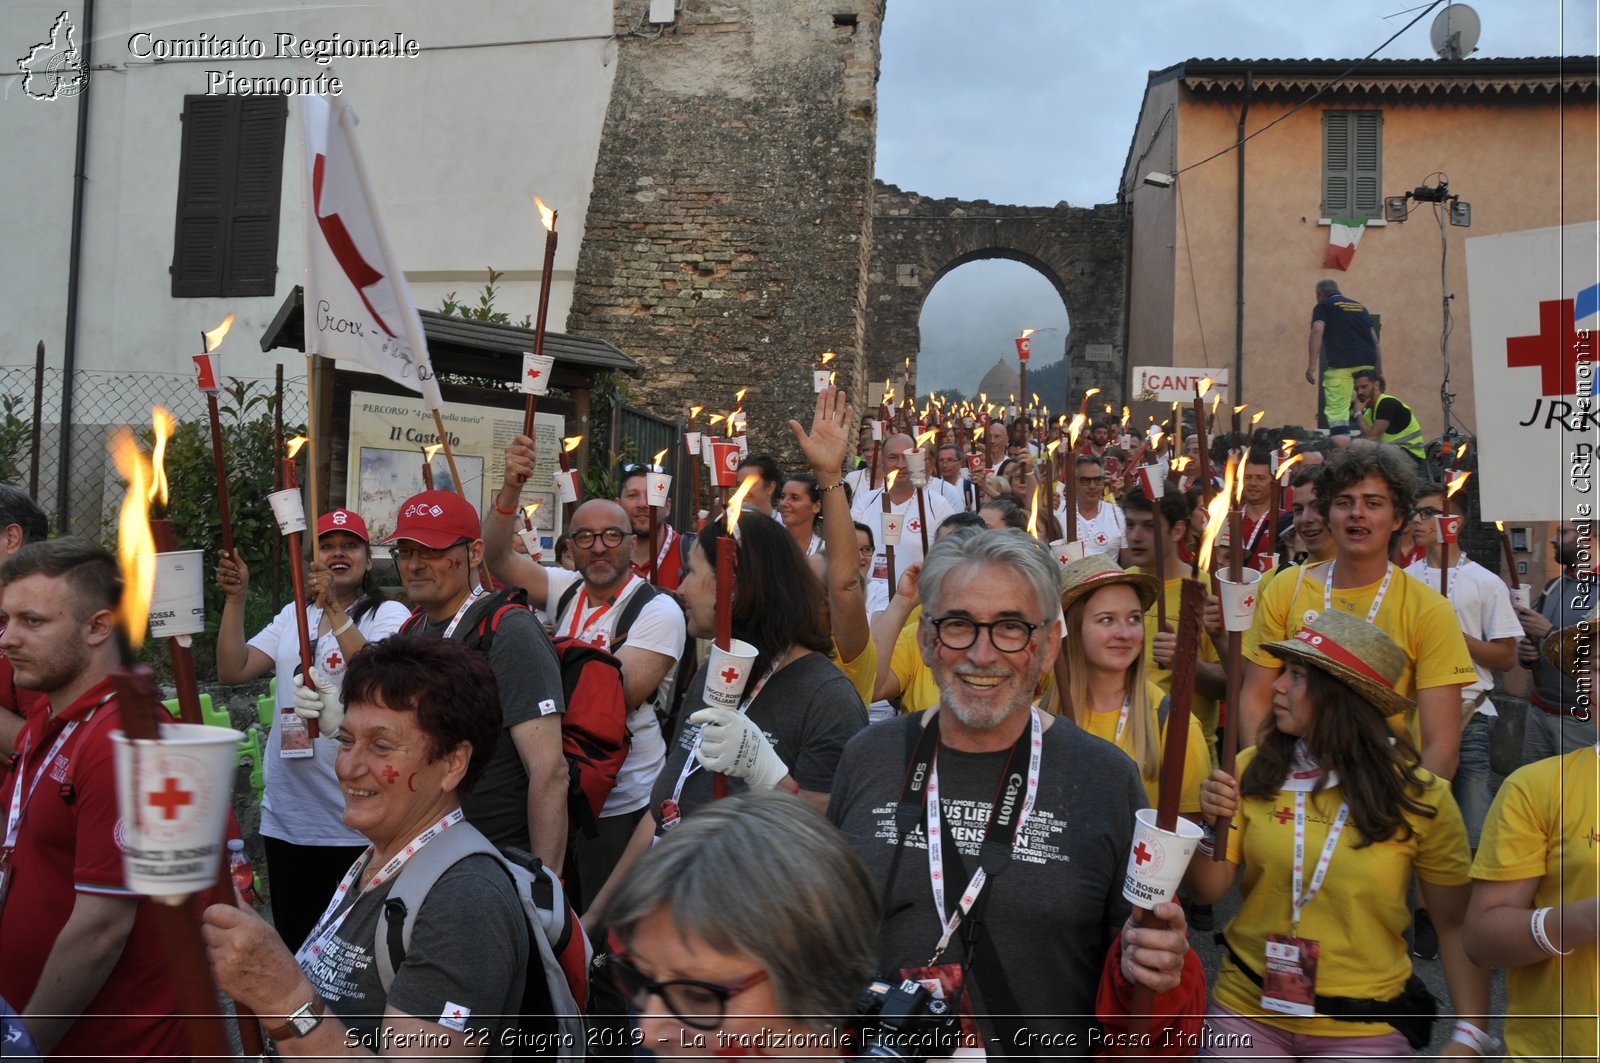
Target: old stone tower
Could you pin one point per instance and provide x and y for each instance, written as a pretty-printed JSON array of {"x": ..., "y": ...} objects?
[{"x": 727, "y": 236}]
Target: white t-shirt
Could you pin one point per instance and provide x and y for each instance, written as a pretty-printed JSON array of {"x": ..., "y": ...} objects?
[
  {"x": 302, "y": 802},
  {"x": 1482, "y": 602},
  {"x": 1104, "y": 533},
  {"x": 908, "y": 551},
  {"x": 658, "y": 628}
]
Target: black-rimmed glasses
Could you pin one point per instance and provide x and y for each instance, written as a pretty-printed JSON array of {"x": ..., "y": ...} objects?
[
  {"x": 960, "y": 632},
  {"x": 585, "y": 538},
  {"x": 701, "y": 1005}
]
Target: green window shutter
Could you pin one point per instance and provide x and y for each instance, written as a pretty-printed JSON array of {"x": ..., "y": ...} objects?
[
  {"x": 1352, "y": 155},
  {"x": 230, "y": 179}
]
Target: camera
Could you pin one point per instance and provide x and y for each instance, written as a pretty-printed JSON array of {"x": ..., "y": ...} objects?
[{"x": 905, "y": 1021}]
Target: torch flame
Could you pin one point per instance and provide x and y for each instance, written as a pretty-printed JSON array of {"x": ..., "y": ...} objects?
[
  {"x": 924, "y": 438},
  {"x": 736, "y": 503},
  {"x": 715, "y": 418},
  {"x": 429, "y": 451},
  {"x": 294, "y": 445},
  {"x": 1289, "y": 445},
  {"x": 1241, "y": 407},
  {"x": 1091, "y": 393},
  {"x": 656, "y": 461},
  {"x": 1500, "y": 525},
  {"x": 833, "y": 379},
  {"x": 828, "y": 356},
  {"x": 547, "y": 217},
  {"x": 570, "y": 443},
  {"x": 1285, "y": 466},
  {"x": 1026, "y": 333},
  {"x": 1216, "y": 516},
  {"x": 1075, "y": 427},
  {"x": 1051, "y": 449},
  {"x": 1180, "y": 464},
  {"x": 214, "y": 337},
  {"x": 1204, "y": 388},
  {"x": 164, "y": 424},
  {"x": 1255, "y": 420},
  {"x": 1127, "y": 415},
  {"x": 694, "y": 411},
  {"x": 1458, "y": 480},
  {"x": 738, "y": 396},
  {"x": 1033, "y": 516},
  {"x": 136, "y": 545},
  {"x": 530, "y": 509},
  {"x": 1156, "y": 436},
  {"x": 888, "y": 481}
]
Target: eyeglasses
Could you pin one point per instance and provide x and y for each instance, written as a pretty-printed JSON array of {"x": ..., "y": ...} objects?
[
  {"x": 701, "y": 1005},
  {"x": 960, "y": 632},
  {"x": 1091, "y": 479},
  {"x": 609, "y": 536},
  {"x": 1429, "y": 512},
  {"x": 405, "y": 554}
]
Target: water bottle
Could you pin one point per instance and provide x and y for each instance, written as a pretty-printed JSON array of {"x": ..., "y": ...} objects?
[{"x": 244, "y": 876}]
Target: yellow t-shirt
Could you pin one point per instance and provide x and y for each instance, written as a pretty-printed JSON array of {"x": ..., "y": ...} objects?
[
  {"x": 1203, "y": 708},
  {"x": 1196, "y": 758},
  {"x": 1543, "y": 825},
  {"x": 1360, "y": 914},
  {"x": 862, "y": 671},
  {"x": 1416, "y": 616},
  {"x": 918, "y": 691}
]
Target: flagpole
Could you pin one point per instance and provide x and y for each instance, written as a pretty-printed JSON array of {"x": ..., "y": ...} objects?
[{"x": 408, "y": 313}]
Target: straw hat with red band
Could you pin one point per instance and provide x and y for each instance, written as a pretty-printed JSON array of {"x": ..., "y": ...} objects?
[
  {"x": 436, "y": 519},
  {"x": 343, "y": 520},
  {"x": 1571, "y": 649},
  {"x": 1354, "y": 652},
  {"x": 1088, "y": 574}
]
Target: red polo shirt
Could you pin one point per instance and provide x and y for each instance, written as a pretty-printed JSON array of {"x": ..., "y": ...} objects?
[
  {"x": 669, "y": 561},
  {"x": 67, "y": 844}
]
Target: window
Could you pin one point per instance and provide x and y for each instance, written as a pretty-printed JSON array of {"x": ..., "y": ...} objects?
[
  {"x": 230, "y": 180},
  {"x": 1352, "y": 164}
]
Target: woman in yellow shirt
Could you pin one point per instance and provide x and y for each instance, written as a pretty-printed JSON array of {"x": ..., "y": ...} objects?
[
  {"x": 1109, "y": 693},
  {"x": 1331, "y": 819}
]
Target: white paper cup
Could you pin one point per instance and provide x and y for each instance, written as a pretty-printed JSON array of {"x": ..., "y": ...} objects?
[
  {"x": 173, "y": 796},
  {"x": 289, "y": 511},
  {"x": 1066, "y": 551},
  {"x": 1238, "y": 599},
  {"x": 744, "y": 446},
  {"x": 917, "y": 467},
  {"x": 1522, "y": 594},
  {"x": 536, "y": 369},
  {"x": 891, "y": 524},
  {"x": 691, "y": 443},
  {"x": 819, "y": 379},
  {"x": 657, "y": 485},
  {"x": 728, "y": 673},
  {"x": 1447, "y": 526},
  {"x": 1158, "y": 859},
  {"x": 177, "y": 602},
  {"x": 531, "y": 543},
  {"x": 1153, "y": 478},
  {"x": 877, "y": 430},
  {"x": 567, "y": 485}
]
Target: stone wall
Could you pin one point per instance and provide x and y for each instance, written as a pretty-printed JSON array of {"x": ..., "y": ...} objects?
[
  {"x": 1080, "y": 250},
  {"x": 727, "y": 238}
]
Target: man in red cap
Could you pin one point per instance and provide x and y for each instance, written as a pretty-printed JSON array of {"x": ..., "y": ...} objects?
[{"x": 521, "y": 800}]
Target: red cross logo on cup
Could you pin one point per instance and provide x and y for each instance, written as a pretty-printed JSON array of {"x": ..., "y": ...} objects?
[
  {"x": 1141, "y": 855},
  {"x": 729, "y": 674},
  {"x": 1249, "y": 601},
  {"x": 170, "y": 798},
  {"x": 535, "y": 374},
  {"x": 660, "y": 488}
]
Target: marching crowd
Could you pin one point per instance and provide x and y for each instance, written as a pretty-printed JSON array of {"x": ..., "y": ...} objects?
[{"x": 910, "y": 787}]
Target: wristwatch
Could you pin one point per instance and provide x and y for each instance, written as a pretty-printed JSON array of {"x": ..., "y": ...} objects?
[{"x": 302, "y": 1021}]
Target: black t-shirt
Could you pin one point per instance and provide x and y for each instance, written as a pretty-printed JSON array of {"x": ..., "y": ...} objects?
[
  {"x": 1395, "y": 412},
  {"x": 1347, "y": 332}
]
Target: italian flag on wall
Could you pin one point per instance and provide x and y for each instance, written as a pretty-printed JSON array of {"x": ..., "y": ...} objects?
[{"x": 1343, "y": 236}]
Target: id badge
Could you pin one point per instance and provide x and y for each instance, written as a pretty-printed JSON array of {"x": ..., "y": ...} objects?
[
  {"x": 1289, "y": 985},
  {"x": 5, "y": 875},
  {"x": 880, "y": 567},
  {"x": 294, "y": 738},
  {"x": 945, "y": 982}
]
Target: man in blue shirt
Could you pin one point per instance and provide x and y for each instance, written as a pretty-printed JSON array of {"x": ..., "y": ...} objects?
[{"x": 1342, "y": 331}]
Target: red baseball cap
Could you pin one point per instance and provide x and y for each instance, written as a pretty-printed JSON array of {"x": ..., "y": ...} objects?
[
  {"x": 345, "y": 520},
  {"x": 436, "y": 519}
]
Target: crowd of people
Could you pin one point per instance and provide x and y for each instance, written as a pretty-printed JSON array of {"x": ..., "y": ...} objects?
[{"x": 929, "y": 784}]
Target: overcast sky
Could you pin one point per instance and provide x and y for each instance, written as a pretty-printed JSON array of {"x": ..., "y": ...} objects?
[{"x": 1033, "y": 102}]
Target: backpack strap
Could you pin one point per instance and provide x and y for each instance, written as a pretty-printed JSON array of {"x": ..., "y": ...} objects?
[
  {"x": 630, "y": 612},
  {"x": 411, "y": 889},
  {"x": 565, "y": 600}
]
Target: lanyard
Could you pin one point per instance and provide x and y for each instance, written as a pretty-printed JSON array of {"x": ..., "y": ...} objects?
[
  {"x": 19, "y": 799},
  {"x": 667, "y": 540},
  {"x": 1122, "y": 722},
  {"x": 328, "y": 924},
  {"x": 587, "y": 626},
  {"x": 1255, "y": 533},
  {"x": 461, "y": 612},
  {"x": 1005, "y": 796},
  {"x": 692, "y": 764},
  {"x": 1383, "y": 588},
  {"x": 1297, "y": 899}
]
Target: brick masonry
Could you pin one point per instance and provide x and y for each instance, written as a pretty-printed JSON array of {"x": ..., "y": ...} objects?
[{"x": 727, "y": 235}]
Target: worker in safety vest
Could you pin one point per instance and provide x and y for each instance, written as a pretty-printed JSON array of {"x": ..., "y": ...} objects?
[{"x": 1385, "y": 418}]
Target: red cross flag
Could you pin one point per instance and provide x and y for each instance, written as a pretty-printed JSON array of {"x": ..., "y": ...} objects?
[
  {"x": 1535, "y": 303},
  {"x": 358, "y": 307}
]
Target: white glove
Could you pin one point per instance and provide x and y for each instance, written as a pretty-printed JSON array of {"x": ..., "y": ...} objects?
[
  {"x": 320, "y": 702},
  {"x": 732, "y": 744}
]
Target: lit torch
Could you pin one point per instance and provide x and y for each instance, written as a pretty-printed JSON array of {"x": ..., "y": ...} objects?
[
  {"x": 727, "y": 569},
  {"x": 210, "y": 378},
  {"x": 427, "y": 465}
]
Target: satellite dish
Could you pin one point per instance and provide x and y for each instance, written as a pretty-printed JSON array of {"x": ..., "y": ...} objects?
[{"x": 1455, "y": 32}]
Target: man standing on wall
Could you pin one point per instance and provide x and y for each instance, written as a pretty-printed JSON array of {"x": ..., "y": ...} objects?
[{"x": 1342, "y": 329}]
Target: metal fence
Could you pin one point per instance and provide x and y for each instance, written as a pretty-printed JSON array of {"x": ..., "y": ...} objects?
[{"x": 78, "y": 486}]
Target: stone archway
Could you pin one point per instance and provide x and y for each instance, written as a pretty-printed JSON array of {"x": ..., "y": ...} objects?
[{"x": 1080, "y": 251}]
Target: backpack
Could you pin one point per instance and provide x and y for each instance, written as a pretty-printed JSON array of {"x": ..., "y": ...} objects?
[
  {"x": 594, "y": 727},
  {"x": 550, "y": 1017}
]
